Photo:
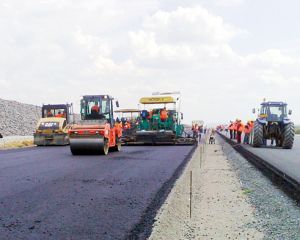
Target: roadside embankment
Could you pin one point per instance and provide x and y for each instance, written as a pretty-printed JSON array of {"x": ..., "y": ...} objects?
[
  {"x": 219, "y": 207},
  {"x": 18, "y": 119}
]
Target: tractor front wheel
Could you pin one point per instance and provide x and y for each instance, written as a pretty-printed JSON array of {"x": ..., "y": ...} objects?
[{"x": 258, "y": 134}]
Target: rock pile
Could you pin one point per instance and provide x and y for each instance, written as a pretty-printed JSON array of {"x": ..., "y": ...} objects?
[{"x": 18, "y": 118}]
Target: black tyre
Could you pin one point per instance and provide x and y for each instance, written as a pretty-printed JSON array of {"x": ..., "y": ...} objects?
[
  {"x": 258, "y": 134},
  {"x": 288, "y": 136}
]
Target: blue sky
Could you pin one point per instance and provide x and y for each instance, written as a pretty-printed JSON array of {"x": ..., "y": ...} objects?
[{"x": 224, "y": 56}]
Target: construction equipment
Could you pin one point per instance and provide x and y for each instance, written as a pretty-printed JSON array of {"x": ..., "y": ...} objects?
[
  {"x": 129, "y": 120},
  {"x": 273, "y": 123},
  {"x": 53, "y": 127},
  {"x": 160, "y": 125},
  {"x": 97, "y": 132}
]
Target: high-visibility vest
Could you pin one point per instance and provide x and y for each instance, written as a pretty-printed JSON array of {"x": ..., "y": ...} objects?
[
  {"x": 247, "y": 129},
  {"x": 163, "y": 114},
  {"x": 240, "y": 127}
]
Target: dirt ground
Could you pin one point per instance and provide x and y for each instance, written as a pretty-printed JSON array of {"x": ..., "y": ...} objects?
[{"x": 219, "y": 203}]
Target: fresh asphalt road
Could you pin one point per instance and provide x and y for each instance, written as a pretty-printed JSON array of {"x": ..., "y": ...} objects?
[
  {"x": 286, "y": 160},
  {"x": 46, "y": 193}
]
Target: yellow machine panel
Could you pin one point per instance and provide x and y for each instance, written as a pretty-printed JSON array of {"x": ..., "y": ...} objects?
[{"x": 157, "y": 100}]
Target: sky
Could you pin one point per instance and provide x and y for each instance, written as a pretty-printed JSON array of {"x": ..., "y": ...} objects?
[{"x": 224, "y": 56}]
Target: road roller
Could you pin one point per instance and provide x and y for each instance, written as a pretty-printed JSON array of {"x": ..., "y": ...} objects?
[
  {"x": 52, "y": 128},
  {"x": 96, "y": 132}
]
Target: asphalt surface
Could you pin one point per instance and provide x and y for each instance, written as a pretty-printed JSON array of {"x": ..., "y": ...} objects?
[
  {"x": 286, "y": 160},
  {"x": 46, "y": 193}
]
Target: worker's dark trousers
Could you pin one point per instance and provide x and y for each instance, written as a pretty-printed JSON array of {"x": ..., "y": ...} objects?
[
  {"x": 234, "y": 134},
  {"x": 246, "y": 138},
  {"x": 231, "y": 134},
  {"x": 239, "y": 137}
]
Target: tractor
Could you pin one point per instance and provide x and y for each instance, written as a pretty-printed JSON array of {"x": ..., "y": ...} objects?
[
  {"x": 129, "y": 120},
  {"x": 52, "y": 128},
  {"x": 273, "y": 124},
  {"x": 97, "y": 132},
  {"x": 160, "y": 125}
]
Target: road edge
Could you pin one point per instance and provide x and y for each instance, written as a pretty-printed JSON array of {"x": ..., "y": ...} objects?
[{"x": 143, "y": 229}]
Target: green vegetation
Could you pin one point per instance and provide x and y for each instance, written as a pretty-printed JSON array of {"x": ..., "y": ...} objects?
[
  {"x": 247, "y": 191},
  {"x": 298, "y": 129}
]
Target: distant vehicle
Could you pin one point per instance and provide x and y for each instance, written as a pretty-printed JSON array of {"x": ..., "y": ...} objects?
[
  {"x": 161, "y": 125},
  {"x": 97, "y": 132},
  {"x": 53, "y": 127},
  {"x": 274, "y": 124},
  {"x": 129, "y": 119}
]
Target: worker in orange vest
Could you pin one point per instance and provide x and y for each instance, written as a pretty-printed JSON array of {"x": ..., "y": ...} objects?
[
  {"x": 163, "y": 115},
  {"x": 247, "y": 130},
  {"x": 127, "y": 125},
  {"x": 59, "y": 115},
  {"x": 239, "y": 129},
  {"x": 235, "y": 128}
]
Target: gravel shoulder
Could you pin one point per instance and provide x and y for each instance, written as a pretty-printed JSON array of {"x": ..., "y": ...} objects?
[
  {"x": 220, "y": 209},
  {"x": 277, "y": 214}
]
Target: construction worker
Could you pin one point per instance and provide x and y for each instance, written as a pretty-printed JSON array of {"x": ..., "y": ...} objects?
[
  {"x": 95, "y": 108},
  {"x": 235, "y": 128},
  {"x": 230, "y": 128},
  {"x": 247, "y": 133},
  {"x": 49, "y": 113},
  {"x": 239, "y": 130},
  {"x": 59, "y": 115},
  {"x": 163, "y": 114},
  {"x": 127, "y": 125}
]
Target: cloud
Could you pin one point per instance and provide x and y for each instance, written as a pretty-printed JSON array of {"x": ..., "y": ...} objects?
[
  {"x": 56, "y": 51},
  {"x": 229, "y": 3}
]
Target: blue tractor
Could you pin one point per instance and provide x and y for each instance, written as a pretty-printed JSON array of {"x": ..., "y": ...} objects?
[{"x": 273, "y": 124}]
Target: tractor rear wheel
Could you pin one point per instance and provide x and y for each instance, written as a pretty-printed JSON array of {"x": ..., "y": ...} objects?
[
  {"x": 258, "y": 134},
  {"x": 288, "y": 136}
]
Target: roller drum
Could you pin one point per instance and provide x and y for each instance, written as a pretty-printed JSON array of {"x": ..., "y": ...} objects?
[{"x": 81, "y": 146}]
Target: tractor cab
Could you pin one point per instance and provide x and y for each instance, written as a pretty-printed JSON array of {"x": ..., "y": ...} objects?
[
  {"x": 273, "y": 111},
  {"x": 98, "y": 107}
]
